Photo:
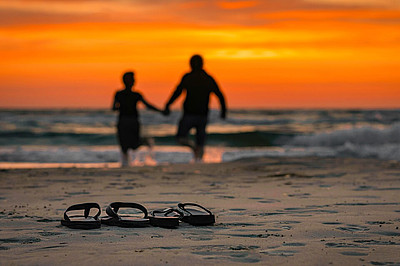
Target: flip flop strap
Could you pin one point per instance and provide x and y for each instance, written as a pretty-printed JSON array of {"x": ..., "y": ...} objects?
[
  {"x": 83, "y": 206},
  {"x": 112, "y": 209},
  {"x": 167, "y": 211},
  {"x": 182, "y": 207}
]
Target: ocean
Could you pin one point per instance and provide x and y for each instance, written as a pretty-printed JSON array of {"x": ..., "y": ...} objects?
[{"x": 87, "y": 138}]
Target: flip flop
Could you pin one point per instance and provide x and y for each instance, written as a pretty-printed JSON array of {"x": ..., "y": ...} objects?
[
  {"x": 82, "y": 221},
  {"x": 115, "y": 219},
  {"x": 198, "y": 216},
  {"x": 168, "y": 218}
]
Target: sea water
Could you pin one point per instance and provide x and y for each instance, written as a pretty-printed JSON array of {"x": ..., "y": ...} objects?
[{"x": 87, "y": 138}]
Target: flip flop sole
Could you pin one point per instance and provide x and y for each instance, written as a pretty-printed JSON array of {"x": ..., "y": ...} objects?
[
  {"x": 199, "y": 219},
  {"x": 111, "y": 221},
  {"x": 81, "y": 225},
  {"x": 168, "y": 222},
  {"x": 133, "y": 223}
]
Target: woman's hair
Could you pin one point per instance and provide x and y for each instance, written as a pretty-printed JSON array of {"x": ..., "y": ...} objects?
[{"x": 128, "y": 78}]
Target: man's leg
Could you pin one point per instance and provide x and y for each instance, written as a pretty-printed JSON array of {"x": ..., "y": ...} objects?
[
  {"x": 124, "y": 150},
  {"x": 200, "y": 138},
  {"x": 183, "y": 133},
  {"x": 147, "y": 141},
  {"x": 198, "y": 153},
  {"x": 185, "y": 141}
]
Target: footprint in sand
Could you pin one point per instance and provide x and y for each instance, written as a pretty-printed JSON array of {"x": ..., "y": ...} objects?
[
  {"x": 240, "y": 254},
  {"x": 353, "y": 253},
  {"x": 331, "y": 223},
  {"x": 294, "y": 244},
  {"x": 377, "y": 242},
  {"x": 269, "y": 201},
  {"x": 344, "y": 245},
  {"x": 279, "y": 252},
  {"x": 353, "y": 228},
  {"x": 387, "y": 233},
  {"x": 22, "y": 240},
  {"x": 225, "y": 197},
  {"x": 45, "y": 233},
  {"x": 385, "y": 263}
]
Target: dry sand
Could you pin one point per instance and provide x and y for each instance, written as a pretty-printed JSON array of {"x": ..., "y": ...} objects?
[{"x": 270, "y": 211}]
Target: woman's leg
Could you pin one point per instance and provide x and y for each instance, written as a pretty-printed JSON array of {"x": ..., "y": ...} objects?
[{"x": 124, "y": 158}]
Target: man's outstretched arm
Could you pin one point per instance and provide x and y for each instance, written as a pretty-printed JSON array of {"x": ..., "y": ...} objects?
[
  {"x": 221, "y": 99},
  {"x": 178, "y": 91}
]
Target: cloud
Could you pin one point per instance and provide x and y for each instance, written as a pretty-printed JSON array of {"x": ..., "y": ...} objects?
[
  {"x": 359, "y": 3},
  {"x": 237, "y": 4},
  {"x": 93, "y": 11},
  {"x": 22, "y": 17},
  {"x": 338, "y": 15},
  {"x": 194, "y": 12}
]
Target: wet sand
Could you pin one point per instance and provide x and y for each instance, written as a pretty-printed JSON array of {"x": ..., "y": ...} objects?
[{"x": 269, "y": 211}]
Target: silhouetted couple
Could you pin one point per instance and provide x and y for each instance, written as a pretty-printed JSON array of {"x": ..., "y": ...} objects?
[{"x": 198, "y": 86}]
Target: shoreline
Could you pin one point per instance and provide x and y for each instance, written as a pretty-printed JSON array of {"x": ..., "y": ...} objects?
[
  {"x": 34, "y": 165},
  {"x": 269, "y": 211},
  {"x": 149, "y": 163}
]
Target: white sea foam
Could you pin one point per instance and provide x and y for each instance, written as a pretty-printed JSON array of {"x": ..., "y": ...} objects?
[
  {"x": 360, "y": 142},
  {"x": 102, "y": 154},
  {"x": 173, "y": 154},
  {"x": 354, "y": 136}
]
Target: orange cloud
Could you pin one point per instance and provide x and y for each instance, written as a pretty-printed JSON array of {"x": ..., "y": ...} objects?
[
  {"x": 193, "y": 4},
  {"x": 362, "y": 3},
  {"x": 237, "y": 4},
  {"x": 337, "y": 15}
]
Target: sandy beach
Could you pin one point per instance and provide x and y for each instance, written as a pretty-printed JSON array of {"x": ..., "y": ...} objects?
[{"x": 269, "y": 211}]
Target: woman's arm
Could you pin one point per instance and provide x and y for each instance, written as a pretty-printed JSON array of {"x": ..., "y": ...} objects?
[
  {"x": 116, "y": 104},
  {"x": 149, "y": 106}
]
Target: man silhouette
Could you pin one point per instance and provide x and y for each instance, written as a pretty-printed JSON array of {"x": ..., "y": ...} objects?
[{"x": 198, "y": 85}]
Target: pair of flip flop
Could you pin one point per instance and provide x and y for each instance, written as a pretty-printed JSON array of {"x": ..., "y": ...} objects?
[{"x": 168, "y": 218}]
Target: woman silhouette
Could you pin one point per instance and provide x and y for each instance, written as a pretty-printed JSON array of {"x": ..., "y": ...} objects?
[{"x": 128, "y": 126}]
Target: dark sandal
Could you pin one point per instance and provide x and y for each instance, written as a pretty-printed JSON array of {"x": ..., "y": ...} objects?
[
  {"x": 168, "y": 218},
  {"x": 200, "y": 216},
  {"x": 82, "y": 221},
  {"x": 115, "y": 219}
]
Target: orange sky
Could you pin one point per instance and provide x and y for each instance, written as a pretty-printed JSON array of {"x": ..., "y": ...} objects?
[{"x": 263, "y": 54}]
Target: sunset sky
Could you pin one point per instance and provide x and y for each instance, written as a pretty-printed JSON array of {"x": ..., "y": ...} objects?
[{"x": 263, "y": 54}]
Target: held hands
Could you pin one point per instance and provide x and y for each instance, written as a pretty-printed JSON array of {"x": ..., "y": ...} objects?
[
  {"x": 223, "y": 115},
  {"x": 166, "y": 111}
]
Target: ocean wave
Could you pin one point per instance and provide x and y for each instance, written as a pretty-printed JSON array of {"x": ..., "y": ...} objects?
[
  {"x": 384, "y": 152},
  {"x": 245, "y": 133},
  {"x": 355, "y": 136},
  {"x": 98, "y": 154},
  {"x": 239, "y": 139},
  {"x": 28, "y": 137},
  {"x": 233, "y": 139},
  {"x": 58, "y": 154},
  {"x": 178, "y": 154}
]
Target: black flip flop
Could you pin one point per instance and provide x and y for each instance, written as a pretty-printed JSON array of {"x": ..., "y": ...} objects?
[
  {"x": 168, "y": 218},
  {"x": 198, "y": 216},
  {"x": 115, "y": 219},
  {"x": 82, "y": 221}
]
